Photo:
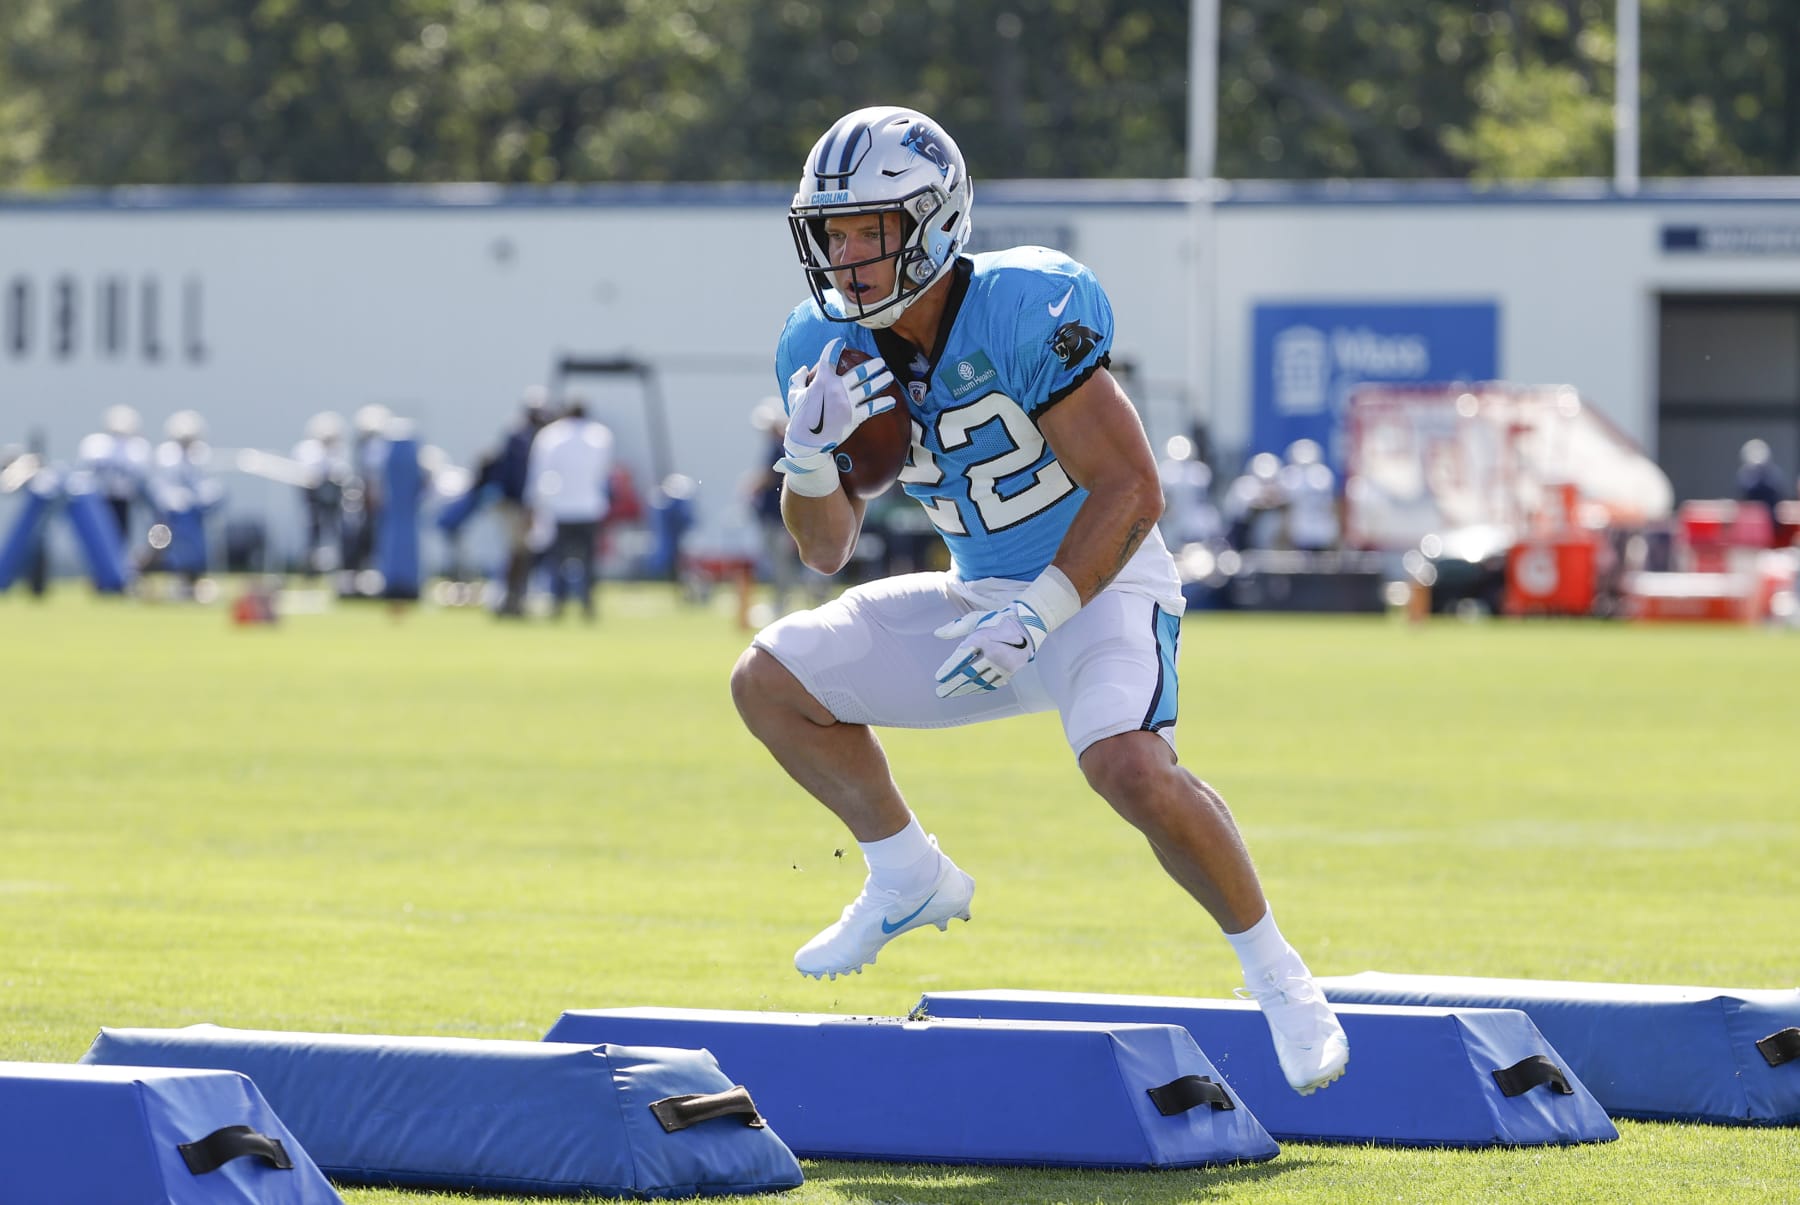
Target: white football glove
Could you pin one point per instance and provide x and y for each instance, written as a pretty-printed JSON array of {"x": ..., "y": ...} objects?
[
  {"x": 823, "y": 412},
  {"x": 995, "y": 646},
  {"x": 998, "y": 644}
]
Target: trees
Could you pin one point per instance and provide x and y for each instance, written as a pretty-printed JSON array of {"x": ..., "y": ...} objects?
[
  {"x": 1721, "y": 87},
  {"x": 110, "y": 92}
]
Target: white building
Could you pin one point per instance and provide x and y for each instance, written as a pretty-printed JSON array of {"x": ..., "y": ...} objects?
[{"x": 1675, "y": 312}]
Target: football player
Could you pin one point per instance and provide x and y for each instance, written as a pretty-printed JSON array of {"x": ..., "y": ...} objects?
[{"x": 1033, "y": 466}]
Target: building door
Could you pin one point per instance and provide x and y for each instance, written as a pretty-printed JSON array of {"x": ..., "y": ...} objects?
[{"x": 1728, "y": 371}]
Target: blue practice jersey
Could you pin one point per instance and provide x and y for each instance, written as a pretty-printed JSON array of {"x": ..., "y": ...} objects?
[{"x": 1027, "y": 326}]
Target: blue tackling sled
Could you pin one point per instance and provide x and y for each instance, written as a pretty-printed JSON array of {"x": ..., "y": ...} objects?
[
  {"x": 1417, "y": 1076},
  {"x": 1722, "y": 1055},
  {"x": 1031, "y": 1093},
  {"x": 492, "y": 1116},
  {"x": 147, "y": 1136}
]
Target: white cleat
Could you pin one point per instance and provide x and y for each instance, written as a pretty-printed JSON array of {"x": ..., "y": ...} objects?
[
  {"x": 1309, "y": 1042},
  {"x": 876, "y": 917}
]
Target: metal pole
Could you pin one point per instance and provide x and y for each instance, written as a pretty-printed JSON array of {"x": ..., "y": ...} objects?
[
  {"x": 1203, "y": 88},
  {"x": 1202, "y": 149},
  {"x": 1625, "y": 105}
]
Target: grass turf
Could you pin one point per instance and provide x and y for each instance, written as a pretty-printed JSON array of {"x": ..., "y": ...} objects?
[{"x": 433, "y": 823}]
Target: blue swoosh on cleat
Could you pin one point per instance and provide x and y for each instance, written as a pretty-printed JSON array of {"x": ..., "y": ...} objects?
[{"x": 896, "y": 926}]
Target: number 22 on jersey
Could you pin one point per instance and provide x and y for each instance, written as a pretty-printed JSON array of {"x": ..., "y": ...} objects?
[{"x": 996, "y": 512}]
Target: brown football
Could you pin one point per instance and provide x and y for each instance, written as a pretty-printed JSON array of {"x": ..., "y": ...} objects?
[{"x": 876, "y": 451}]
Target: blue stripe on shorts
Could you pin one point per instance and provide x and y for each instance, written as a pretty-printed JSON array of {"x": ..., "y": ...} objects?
[{"x": 1164, "y": 701}]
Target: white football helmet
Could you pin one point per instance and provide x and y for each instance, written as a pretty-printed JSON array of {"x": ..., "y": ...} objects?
[
  {"x": 327, "y": 426},
  {"x": 373, "y": 419},
  {"x": 184, "y": 427},
  {"x": 877, "y": 161},
  {"x": 122, "y": 421}
]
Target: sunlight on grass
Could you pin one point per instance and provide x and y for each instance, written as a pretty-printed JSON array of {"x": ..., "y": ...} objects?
[{"x": 436, "y": 824}]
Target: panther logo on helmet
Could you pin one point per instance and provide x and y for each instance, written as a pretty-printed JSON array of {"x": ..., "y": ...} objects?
[{"x": 923, "y": 141}]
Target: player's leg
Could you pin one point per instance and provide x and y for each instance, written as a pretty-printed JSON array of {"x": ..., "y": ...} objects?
[
  {"x": 1191, "y": 831},
  {"x": 841, "y": 765},
  {"x": 1116, "y": 686},
  {"x": 1189, "y": 827},
  {"x": 811, "y": 688},
  {"x": 518, "y": 556},
  {"x": 585, "y": 550}
]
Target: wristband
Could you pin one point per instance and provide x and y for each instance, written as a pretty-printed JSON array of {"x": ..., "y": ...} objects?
[
  {"x": 813, "y": 475},
  {"x": 1053, "y": 598}
]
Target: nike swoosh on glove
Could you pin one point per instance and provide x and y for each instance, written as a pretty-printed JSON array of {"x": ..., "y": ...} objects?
[
  {"x": 995, "y": 646},
  {"x": 824, "y": 405}
]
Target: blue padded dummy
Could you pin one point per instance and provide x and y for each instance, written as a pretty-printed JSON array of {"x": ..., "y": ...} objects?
[
  {"x": 397, "y": 526},
  {"x": 492, "y": 1116},
  {"x": 26, "y": 535},
  {"x": 1661, "y": 1053},
  {"x": 97, "y": 532},
  {"x": 1417, "y": 1077},
  {"x": 1021, "y": 1093},
  {"x": 147, "y": 1136}
]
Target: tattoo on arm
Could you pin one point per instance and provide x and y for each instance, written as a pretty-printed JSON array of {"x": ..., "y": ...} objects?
[{"x": 1133, "y": 538}]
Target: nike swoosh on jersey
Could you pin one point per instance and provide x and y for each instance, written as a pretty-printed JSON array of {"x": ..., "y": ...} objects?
[{"x": 1057, "y": 309}]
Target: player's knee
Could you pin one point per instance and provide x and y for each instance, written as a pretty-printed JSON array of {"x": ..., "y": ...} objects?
[
  {"x": 1130, "y": 771},
  {"x": 761, "y": 687},
  {"x": 750, "y": 686}
]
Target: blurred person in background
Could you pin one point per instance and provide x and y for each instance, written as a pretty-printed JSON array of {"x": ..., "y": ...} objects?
[
  {"x": 1255, "y": 504},
  {"x": 363, "y": 494},
  {"x": 183, "y": 491},
  {"x": 1062, "y": 596},
  {"x": 781, "y": 558},
  {"x": 1760, "y": 481},
  {"x": 118, "y": 455},
  {"x": 324, "y": 458},
  {"x": 1189, "y": 514},
  {"x": 565, "y": 486},
  {"x": 1310, "y": 488},
  {"x": 508, "y": 469}
]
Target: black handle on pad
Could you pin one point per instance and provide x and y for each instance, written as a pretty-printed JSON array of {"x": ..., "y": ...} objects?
[
  {"x": 1189, "y": 1092},
  {"x": 220, "y": 1147},
  {"x": 1528, "y": 1073},
  {"x": 1782, "y": 1046},
  {"x": 680, "y": 1112}
]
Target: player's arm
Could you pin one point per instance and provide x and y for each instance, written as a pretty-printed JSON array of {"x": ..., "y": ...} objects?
[
  {"x": 824, "y": 529},
  {"x": 1097, "y": 436},
  {"x": 824, "y": 406}
]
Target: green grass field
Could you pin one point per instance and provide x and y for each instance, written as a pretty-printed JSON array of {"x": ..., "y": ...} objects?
[{"x": 432, "y": 823}]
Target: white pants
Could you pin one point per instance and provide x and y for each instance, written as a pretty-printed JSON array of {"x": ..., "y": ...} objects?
[{"x": 870, "y": 657}]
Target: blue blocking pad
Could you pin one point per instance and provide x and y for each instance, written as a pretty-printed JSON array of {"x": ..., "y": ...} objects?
[
  {"x": 147, "y": 1136},
  {"x": 1417, "y": 1077},
  {"x": 1720, "y": 1055},
  {"x": 1019, "y": 1093},
  {"x": 97, "y": 532},
  {"x": 397, "y": 525},
  {"x": 26, "y": 534},
  {"x": 492, "y": 1116}
]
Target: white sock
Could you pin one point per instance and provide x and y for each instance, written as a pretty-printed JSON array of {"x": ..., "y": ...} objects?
[
  {"x": 1261, "y": 948},
  {"x": 906, "y": 862}
]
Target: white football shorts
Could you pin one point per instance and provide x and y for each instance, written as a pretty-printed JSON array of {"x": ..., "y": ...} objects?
[{"x": 870, "y": 657}]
